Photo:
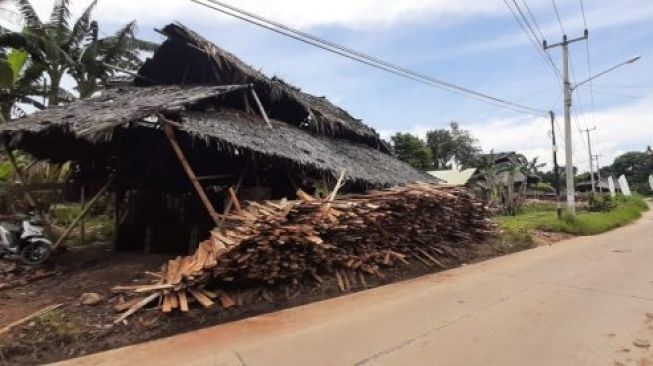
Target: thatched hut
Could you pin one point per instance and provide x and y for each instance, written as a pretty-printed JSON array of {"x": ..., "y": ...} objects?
[{"x": 235, "y": 126}]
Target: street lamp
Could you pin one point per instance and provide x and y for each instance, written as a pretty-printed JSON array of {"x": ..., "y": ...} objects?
[
  {"x": 569, "y": 89},
  {"x": 632, "y": 60}
]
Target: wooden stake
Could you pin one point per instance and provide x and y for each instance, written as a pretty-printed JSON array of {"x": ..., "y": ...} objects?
[
  {"x": 29, "y": 317},
  {"x": 84, "y": 212},
  {"x": 170, "y": 134}
]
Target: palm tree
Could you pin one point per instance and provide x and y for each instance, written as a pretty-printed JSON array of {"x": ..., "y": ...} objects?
[{"x": 62, "y": 49}]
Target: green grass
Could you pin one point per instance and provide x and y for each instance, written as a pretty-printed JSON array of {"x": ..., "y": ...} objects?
[{"x": 626, "y": 211}]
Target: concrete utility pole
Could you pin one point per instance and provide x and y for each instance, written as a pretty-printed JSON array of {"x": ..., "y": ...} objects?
[
  {"x": 567, "y": 89},
  {"x": 589, "y": 148},
  {"x": 598, "y": 170},
  {"x": 556, "y": 168}
]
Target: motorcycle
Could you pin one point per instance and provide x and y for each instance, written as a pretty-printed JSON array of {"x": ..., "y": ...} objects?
[{"x": 27, "y": 242}]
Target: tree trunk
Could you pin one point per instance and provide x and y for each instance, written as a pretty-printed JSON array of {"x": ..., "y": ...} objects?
[{"x": 53, "y": 94}]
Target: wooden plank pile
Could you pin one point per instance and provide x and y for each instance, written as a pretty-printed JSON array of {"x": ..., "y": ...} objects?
[{"x": 309, "y": 241}]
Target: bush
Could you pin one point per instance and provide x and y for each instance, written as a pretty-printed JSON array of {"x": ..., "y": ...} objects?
[{"x": 602, "y": 203}]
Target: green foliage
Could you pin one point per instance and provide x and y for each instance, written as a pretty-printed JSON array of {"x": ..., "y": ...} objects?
[
  {"x": 602, "y": 203},
  {"x": 454, "y": 143},
  {"x": 56, "y": 49},
  {"x": 542, "y": 187},
  {"x": 412, "y": 150},
  {"x": 99, "y": 225},
  {"x": 636, "y": 166}
]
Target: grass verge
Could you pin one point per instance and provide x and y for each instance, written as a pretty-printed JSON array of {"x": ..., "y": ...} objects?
[{"x": 625, "y": 210}]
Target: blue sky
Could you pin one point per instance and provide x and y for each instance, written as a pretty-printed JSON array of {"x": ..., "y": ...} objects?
[{"x": 477, "y": 44}]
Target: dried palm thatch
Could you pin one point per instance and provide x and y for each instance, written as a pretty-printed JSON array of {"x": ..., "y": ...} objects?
[
  {"x": 91, "y": 117},
  {"x": 92, "y": 123},
  {"x": 234, "y": 130},
  {"x": 188, "y": 58}
]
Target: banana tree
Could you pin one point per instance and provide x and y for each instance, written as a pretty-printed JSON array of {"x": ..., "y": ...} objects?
[
  {"x": 47, "y": 43},
  {"x": 20, "y": 82},
  {"x": 99, "y": 60},
  {"x": 64, "y": 49}
]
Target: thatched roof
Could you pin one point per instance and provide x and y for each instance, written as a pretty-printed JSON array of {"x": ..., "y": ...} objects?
[
  {"x": 113, "y": 108},
  {"x": 188, "y": 58},
  {"x": 86, "y": 125},
  {"x": 232, "y": 130}
]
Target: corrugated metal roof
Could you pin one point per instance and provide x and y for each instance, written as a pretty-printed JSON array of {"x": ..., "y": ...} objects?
[{"x": 454, "y": 177}]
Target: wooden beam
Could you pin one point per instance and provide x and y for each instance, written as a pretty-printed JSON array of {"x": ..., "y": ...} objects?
[
  {"x": 230, "y": 203},
  {"x": 339, "y": 184},
  {"x": 82, "y": 227},
  {"x": 170, "y": 134},
  {"x": 84, "y": 212},
  {"x": 260, "y": 106},
  {"x": 234, "y": 199}
]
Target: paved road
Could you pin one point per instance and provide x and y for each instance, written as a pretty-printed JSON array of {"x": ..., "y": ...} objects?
[{"x": 579, "y": 302}]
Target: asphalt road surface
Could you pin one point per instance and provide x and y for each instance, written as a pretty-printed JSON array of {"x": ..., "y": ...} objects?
[{"x": 579, "y": 302}]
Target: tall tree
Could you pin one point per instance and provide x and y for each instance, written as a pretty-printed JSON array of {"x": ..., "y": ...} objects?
[
  {"x": 466, "y": 146},
  {"x": 412, "y": 150},
  {"x": 636, "y": 166},
  {"x": 454, "y": 144},
  {"x": 441, "y": 144}
]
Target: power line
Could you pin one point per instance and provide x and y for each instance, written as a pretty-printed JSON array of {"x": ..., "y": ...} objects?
[
  {"x": 365, "y": 59},
  {"x": 555, "y": 8},
  {"x": 532, "y": 36},
  {"x": 582, "y": 9},
  {"x": 589, "y": 63},
  {"x": 530, "y": 13}
]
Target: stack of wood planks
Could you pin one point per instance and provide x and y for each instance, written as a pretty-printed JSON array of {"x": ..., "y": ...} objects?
[{"x": 310, "y": 241}]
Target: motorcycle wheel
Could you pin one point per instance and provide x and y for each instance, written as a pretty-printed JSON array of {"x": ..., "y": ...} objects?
[{"x": 35, "y": 252}]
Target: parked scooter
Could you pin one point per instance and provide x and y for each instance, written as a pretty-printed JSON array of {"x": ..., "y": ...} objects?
[{"x": 26, "y": 242}]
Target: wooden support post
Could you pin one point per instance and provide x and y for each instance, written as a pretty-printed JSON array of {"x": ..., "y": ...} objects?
[
  {"x": 84, "y": 212},
  {"x": 260, "y": 106},
  {"x": 82, "y": 224},
  {"x": 170, "y": 133}
]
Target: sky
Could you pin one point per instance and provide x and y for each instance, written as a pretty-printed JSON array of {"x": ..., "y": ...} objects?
[{"x": 475, "y": 44}]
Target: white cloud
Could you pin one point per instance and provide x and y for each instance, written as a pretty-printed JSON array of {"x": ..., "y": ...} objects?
[
  {"x": 294, "y": 12},
  {"x": 625, "y": 128}
]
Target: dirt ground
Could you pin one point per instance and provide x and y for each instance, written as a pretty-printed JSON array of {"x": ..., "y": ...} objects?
[
  {"x": 543, "y": 238},
  {"x": 75, "y": 330}
]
